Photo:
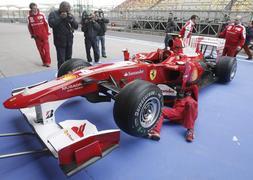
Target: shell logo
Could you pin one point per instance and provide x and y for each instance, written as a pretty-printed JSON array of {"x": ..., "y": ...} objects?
[
  {"x": 13, "y": 99},
  {"x": 68, "y": 77},
  {"x": 152, "y": 74}
]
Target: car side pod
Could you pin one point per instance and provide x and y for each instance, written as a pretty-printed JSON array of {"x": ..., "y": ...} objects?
[{"x": 75, "y": 143}]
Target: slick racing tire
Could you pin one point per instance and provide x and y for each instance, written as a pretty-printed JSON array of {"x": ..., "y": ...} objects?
[
  {"x": 72, "y": 65},
  {"x": 226, "y": 69},
  {"x": 137, "y": 107}
]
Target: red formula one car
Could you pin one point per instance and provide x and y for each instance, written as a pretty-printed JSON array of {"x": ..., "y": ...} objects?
[{"x": 139, "y": 86}]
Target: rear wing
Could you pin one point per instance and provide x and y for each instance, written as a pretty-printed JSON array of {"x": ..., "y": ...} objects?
[{"x": 218, "y": 43}]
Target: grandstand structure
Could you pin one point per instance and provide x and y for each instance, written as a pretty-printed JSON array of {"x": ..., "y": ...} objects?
[
  {"x": 237, "y": 5},
  {"x": 18, "y": 13},
  {"x": 151, "y": 15}
]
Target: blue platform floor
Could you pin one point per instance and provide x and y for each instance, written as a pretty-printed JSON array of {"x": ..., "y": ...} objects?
[{"x": 222, "y": 148}]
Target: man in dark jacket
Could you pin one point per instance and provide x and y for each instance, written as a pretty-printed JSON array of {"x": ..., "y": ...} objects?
[
  {"x": 171, "y": 26},
  {"x": 102, "y": 21},
  {"x": 91, "y": 29},
  {"x": 249, "y": 38},
  {"x": 63, "y": 24}
]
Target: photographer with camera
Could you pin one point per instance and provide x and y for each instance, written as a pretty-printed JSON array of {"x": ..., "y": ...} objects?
[
  {"x": 63, "y": 24},
  {"x": 91, "y": 29},
  {"x": 102, "y": 21}
]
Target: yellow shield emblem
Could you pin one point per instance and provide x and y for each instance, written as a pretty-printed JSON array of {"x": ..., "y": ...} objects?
[
  {"x": 68, "y": 77},
  {"x": 152, "y": 74}
]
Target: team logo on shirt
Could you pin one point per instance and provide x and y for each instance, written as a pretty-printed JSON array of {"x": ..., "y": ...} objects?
[
  {"x": 31, "y": 19},
  {"x": 238, "y": 29},
  {"x": 40, "y": 17}
]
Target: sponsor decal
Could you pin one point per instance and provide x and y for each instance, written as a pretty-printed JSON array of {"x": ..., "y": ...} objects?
[
  {"x": 152, "y": 74},
  {"x": 85, "y": 72},
  {"x": 194, "y": 75},
  {"x": 79, "y": 130},
  {"x": 68, "y": 77},
  {"x": 69, "y": 135},
  {"x": 137, "y": 119},
  {"x": 49, "y": 114},
  {"x": 141, "y": 71},
  {"x": 142, "y": 56},
  {"x": 72, "y": 87},
  {"x": 13, "y": 99},
  {"x": 167, "y": 91}
]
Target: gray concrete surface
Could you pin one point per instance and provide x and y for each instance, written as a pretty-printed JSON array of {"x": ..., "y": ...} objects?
[{"x": 19, "y": 55}]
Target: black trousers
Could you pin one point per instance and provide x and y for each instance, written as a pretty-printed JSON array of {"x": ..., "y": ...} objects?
[
  {"x": 63, "y": 54},
  {"x": 166, "y": 40},
  {"x": 91, "y": 43}
]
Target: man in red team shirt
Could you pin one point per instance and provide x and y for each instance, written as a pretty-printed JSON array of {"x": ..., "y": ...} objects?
[
  {"x": 176, "y": 44},
  {"x": 235, "y": 35},
  {"x": 186, "y": 30},
  {"x": 38, "y": 29},
  {"x": 184, "y": 110}
]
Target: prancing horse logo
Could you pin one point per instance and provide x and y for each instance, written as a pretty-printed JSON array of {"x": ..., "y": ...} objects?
[{"x": 152, "y": 74}]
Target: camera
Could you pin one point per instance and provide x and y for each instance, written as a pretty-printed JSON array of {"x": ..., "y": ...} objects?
[{"x": 87, "y": 17}]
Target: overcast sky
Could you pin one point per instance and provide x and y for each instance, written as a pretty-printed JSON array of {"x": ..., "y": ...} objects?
[{"x": 98, "y": 3}]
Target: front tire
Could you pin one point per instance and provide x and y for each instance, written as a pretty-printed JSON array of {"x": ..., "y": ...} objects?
[
  {"x": 72, "y": 65},
  {"x": 226, "y": 69},
  {"x": 137, "y": 107}
]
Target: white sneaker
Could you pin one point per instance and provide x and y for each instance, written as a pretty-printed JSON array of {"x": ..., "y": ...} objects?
[{"x": 96, "y": 63}]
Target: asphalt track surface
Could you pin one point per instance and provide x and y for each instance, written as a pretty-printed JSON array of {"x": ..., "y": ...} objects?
[
  {"x": 19, "y": 54},
  {"x": 222, "y": 148}
]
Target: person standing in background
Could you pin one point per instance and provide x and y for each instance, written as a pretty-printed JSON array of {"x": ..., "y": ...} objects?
[
  {"x": 170, "y": 27},
  {"x": 38, "y": 29},
  {"x": 249, "y": 38},
  {"x": 63, "y": 24},
  {"x": 187, "y": 29},
  {"x": 234, "y": 35},
  {"x": 91, "y": 29},
  {"x": 102, "y": 21}
]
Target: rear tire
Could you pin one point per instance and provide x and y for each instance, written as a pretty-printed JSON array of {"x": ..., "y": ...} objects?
[
  {"x": 137, "y": 107},
  {"x": 72, "y": 65},
  {"x": 226, "y": 69}
]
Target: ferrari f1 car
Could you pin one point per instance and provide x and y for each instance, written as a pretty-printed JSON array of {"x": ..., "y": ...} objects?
[{"x": 139, "y": 87}]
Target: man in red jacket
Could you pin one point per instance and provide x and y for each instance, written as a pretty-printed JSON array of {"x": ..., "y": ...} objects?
[
  {"x": 186, "y": 30},
  {"x": 176, "y": 44},
  {"x": 38, "y": 28},
  {"x": 235, "y": 37},
  {"x": 184, "y": 110}
]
